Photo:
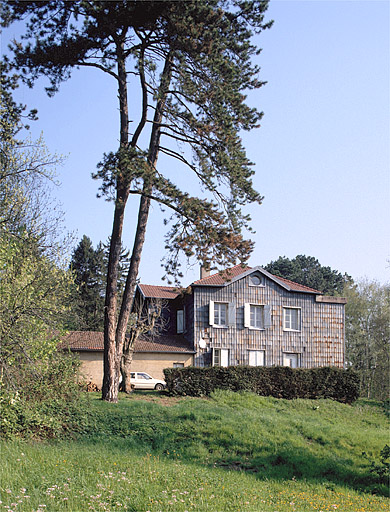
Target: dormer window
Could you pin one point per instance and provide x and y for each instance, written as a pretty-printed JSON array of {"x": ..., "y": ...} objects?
[{"x": 256, "y": 280}]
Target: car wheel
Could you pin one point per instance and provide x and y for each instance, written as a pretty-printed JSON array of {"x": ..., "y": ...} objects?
[{"x": 158, "y": 387}]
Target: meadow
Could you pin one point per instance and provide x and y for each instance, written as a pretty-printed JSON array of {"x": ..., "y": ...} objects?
[{"x": 230, "y": 452}]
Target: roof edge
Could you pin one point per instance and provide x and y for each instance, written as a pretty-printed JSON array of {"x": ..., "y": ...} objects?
[{"x": 274, "y": 278}]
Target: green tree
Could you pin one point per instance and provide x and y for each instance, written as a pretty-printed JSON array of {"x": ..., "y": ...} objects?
[
  {"x": 87, "y": 308},
  {"x": 193, "y": 64},
  {"x": 89, "y": 268},
  {"x": 308, "y": 271},
  {"x": 367, "y": 335},
  {"x": 39, "y": 393},
  {"x": 34, "y": 281}
]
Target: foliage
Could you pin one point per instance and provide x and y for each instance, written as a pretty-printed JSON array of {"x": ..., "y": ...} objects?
[
  {"x": 11, "y": 114},
  {"x": 34, "y": 283},
  {"x": 193, "y": 65},
  {"x": 308, "y": 271},
  {"x": 382, "y": 469},
  {"x": 279, "y": 382},
  {"x": 88, "y": 302},
  {"x": 38, "y": 390},
  {"x": 89, "y": 268},
  {"x": 233, "y": 451},
  {"x": 47, "y": 402},
  {"x": 367, "y": 335}
]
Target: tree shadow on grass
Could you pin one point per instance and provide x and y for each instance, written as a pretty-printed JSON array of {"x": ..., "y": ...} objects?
[{"x": 205, "y": 438}]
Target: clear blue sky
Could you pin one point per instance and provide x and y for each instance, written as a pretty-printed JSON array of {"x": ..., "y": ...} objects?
[{"x": 322, "y": 153}]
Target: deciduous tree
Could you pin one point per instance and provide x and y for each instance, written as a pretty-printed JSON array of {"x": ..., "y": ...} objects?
[
  {"x": 367, "y": 335},
  {"x": 34, "y": 282},
  {"x": 193, "y": 64}
]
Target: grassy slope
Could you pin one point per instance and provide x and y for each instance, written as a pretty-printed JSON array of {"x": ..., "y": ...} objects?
[{"x": 234, "y": 452}]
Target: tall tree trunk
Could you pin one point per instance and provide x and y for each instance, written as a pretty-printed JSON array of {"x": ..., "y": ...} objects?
[
  {"x": 144, "y": 207},
  {"x": 115, "y": 331},
  {"x": 111, "y": 360},
  {"x": 127, "y": 359}
]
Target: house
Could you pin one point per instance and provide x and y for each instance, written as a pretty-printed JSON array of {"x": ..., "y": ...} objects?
[
  {"x": 243, "y": 316},
  {"x": 150, "y": 356}
]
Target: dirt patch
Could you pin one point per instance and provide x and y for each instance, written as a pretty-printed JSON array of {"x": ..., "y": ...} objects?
[{"x": 154, "y": 397}]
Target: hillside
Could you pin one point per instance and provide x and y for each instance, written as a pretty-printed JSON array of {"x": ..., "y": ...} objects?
[{"x": 232, "y": 452}]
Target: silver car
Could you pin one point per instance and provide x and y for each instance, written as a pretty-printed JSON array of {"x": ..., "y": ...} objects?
[{"x": 142, "y": 380}]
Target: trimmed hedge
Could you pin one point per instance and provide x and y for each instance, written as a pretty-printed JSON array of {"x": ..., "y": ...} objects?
[{"x": 276, "y": 381}]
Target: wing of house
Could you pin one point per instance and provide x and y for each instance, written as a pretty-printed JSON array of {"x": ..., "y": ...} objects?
[
  {"x": 243, "y": 316},
  {"x": 249, "y": 316}
]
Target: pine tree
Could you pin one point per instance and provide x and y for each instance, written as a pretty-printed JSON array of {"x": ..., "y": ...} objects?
[
  {"x": 193, "y": 63},
  {"x": 88, "y": 269}
]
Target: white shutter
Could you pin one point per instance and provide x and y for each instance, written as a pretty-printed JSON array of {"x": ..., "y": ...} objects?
[
  {"x": 232, "y": 314},
  {"x": 260, "y": 358},
  {"x": 252, "y": 358},
  {"x": 267, "y": 317},
  {"x": 211, "y": 312},
  {"x": 224, "y": 357},
  {"x": 247, "y": 315}
]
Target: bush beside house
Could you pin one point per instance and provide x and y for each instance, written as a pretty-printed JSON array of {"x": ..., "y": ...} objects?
[{"x": 279, "y": 381}]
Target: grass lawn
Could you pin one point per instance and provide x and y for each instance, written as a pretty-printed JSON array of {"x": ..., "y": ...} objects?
[{"x": 233, "y": 452}]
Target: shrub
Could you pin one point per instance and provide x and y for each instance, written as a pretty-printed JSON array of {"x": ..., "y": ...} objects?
[
  {"x": 47, "y": 402},
  {"x": 277, "y": 381}
]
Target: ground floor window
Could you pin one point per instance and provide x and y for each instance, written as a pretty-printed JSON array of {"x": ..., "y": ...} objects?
[
  {"x": 220, "y": 357},
  {"x": 291, "y": 359},
  {"x": 178, "y": 365},
  {"x": 256, "y": 357}
]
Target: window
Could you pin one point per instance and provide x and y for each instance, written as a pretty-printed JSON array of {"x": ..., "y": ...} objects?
[
  {"x": 180, "y": 321},
  {"x": 220, "y": 357},
  {"x": 143, "y": 376},
  {"x": 256, "y": 357},
  {"x": 256, "y": 280},
  {"x": 291, "y": 360},
  {"x": 220, "y": 313},
  {"x": 178, "y": 365},
  {"x": 291, "y": 319},
  {"x": 257, "y": 316}
]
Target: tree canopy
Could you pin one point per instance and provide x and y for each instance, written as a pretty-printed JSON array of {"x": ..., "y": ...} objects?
[
  {"x": 35, "y": 283},
  {"x": 193, "y": 64},
  {"x": 88, "y": 266},
  {"x": 308, "y": 271},
  {"x": 367, "y": 334}
]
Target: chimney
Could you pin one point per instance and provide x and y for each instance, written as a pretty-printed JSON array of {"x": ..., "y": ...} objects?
[{"x": 204, "y": 272}]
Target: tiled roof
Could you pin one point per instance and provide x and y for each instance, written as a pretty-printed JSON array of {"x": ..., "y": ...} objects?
[
  {"x": 296, "y": 287},
  {"x": 224, "y": 277},
  {"x": 93, "y": 340},
  {"x": 159, "y": 292}
]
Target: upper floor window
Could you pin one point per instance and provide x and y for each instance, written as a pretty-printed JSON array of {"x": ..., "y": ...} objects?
[
  {"x": 222, "y": 314},
  {"x": 257, "y": 316},
  {"x": 291, "y": 319},
  {"x": 180, "y": 321},
  {"x": 256, "y": 280}
]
